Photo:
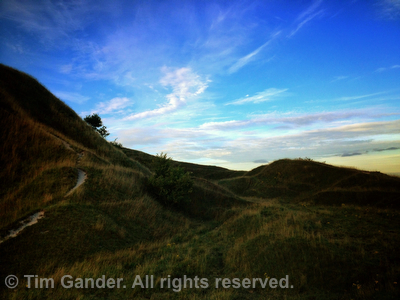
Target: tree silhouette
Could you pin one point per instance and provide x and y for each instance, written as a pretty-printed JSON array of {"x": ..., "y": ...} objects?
[{"x": 95, "y": 121}]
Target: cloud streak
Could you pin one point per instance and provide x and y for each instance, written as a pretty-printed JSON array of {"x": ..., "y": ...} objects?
[
  {"x": 295, "y": 121},
  {"x": 185, "y": 86},
  {"x": 112, "y": 106},
  {"x": 386, "y": 69},
  {"x": 389, "y": 9},
  {"x": 266, "y": 95},
  {"x": 251, "y": 56},
  {"x": 369, "y": 151},
  {"x": 71, "y": 96},
  {"x": 306, "y": 16},
  {"x": 50, "y": 21}
]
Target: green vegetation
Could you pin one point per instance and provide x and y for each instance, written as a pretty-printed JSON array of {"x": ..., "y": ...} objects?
[
  {"x": 334, "y": 231},
  {"x": 96, "y": 123},
  {"x": 171, "y": 185},
  {"x": 116, "y": 144}
]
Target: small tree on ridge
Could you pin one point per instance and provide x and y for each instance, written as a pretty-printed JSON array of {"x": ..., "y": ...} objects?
[{"x": 95, "y": 121}]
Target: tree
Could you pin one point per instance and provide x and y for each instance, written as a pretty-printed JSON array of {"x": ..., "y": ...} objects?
[
  {"x": 169, "y": 184},
  {"x": 95, "y": 121}
]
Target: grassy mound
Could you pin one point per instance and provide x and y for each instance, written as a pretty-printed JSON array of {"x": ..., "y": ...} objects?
[{"x": 318, "y": 183}]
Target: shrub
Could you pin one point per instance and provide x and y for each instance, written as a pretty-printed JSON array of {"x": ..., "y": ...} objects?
[
  {"x": 171, "y": 185},
  {"x": 305, "y": 159},
  {"x": 116, "y": 144}
]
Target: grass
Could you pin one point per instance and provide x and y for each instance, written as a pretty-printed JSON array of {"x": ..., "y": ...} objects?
[{"x": 333, "y": 231}]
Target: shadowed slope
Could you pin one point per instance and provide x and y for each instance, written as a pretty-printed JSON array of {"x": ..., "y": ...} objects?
[{"x": 314, "y": 182}]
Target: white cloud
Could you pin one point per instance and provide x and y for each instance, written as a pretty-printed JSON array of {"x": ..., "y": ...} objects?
[
  {"x": 347, "y": 98},
  {"x": 385, "y": 69},
  {"x": 16, "y": 47},
  {"x": 249, "y": 57},
  {"x": 66, "y": 69},
  {"x": 267, "y": 95},
  {"x": 48, "y": 20},
  {"x": 389, "y": 9},
  {"x": 310, "y": 10},
  {"x": 295, "y": 120},
  {"x": 364, "y": 129},
  {"x": 306, "y": 16},
  {"x": 204, "y": 145},
  {"x": 185, "y": 85},
  {"x": 113, "y": 105},
  {"x": 338, "y": 78},
  {"x": 225, "y": 125},
  {"x": 71, "y": 96}
]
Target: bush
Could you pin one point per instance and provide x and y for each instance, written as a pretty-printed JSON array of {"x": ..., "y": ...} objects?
[
  {"x": 116, "y": 144},
  {"x": 171, "y": 185}
]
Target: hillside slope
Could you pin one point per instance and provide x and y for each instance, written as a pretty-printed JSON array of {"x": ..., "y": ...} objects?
[{"x": 317, "y": 183}]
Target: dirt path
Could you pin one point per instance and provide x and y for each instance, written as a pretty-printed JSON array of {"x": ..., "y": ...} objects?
[
  {"x": 81, "y": 174},
  {"x": 33, "y": 219},
  {"x": 81, "y": 179}
]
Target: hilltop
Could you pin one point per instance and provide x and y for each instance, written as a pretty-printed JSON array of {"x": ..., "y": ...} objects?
[
  {"x": 334, "y": 231},
  {"x": 312, "y": 182}
]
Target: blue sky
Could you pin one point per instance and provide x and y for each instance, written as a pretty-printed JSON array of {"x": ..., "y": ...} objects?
[{"x": 229, "y": 83}]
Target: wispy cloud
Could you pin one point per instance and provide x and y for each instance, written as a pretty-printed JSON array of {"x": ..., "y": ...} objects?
[
  {"x": 260, "y": 161},
  {"x": 71, "y": 96},
  {"x": 349, "y": 98},
  {"x": 387, "y": 149},
  {"x": 347, "y": 154},
  {"x": 347, "y": 139},
  {"x": 306, "y": 16},
  {"x": 112, "y": 106},
  {"x": 185, "y": 85},
  {"x": 338, "y": 78},
  {"x": 267, "y": 95},
  {"x": 251, "y": 56},
  {"x": 295, "y": 121},
  {"x": 389, "y": 9},
  {"x": 48, "y": 20},
  {"x": 364, "y": 129},
  {"x": 16, "y": 47},
  {"x": 389, "y": 68},
  {"x": 351, "y": 154},
  {"x": 66, "y": 69},
  {"x": 354, "y": 138}
]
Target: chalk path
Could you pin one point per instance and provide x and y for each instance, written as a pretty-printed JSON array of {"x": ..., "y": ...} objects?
[{"x": 33, "y": 219}]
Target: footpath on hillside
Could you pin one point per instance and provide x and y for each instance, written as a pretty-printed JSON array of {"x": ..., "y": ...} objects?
[{"x": 33, "y": 219}]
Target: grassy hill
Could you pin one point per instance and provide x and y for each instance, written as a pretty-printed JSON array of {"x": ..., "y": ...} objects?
[
  {"x": 333, "y": 231},
  {"x": 317, "y": 183}
]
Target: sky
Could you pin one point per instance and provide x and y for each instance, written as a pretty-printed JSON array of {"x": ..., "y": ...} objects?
[{"x": 236, "y": 84}]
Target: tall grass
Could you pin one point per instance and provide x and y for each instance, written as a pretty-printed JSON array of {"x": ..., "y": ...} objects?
[{"x": 36, "y": 167}]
